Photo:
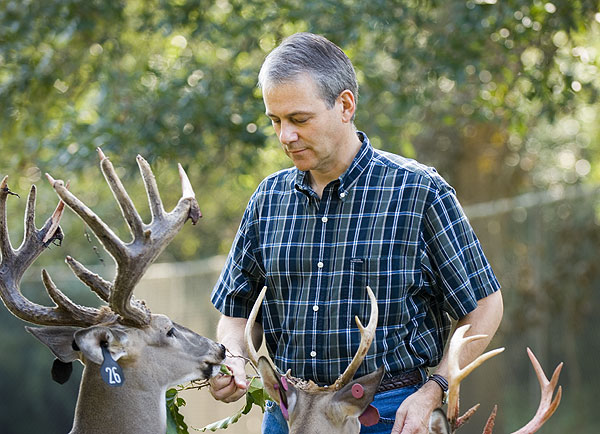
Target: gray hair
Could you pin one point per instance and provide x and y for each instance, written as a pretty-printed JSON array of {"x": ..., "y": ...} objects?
[{"x": 302, "y": 53}]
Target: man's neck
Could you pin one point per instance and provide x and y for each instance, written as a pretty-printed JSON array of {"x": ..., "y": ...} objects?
[{"x": 319, "y": 179}]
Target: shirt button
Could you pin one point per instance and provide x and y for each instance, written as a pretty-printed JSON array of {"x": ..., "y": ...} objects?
[
  {"x": 320, "y": 264},
  {"x": 324, "y": 219},
  {"x": 313, "y": 354},
  {"x": 316, "y": 308},
  {"x": 342, "y": 195}
]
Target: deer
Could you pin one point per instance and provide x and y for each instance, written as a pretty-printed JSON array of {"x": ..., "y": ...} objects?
[
  {"x": 130, "y": 355},
  {"x": 344, "y": 406},
  {"x": 440, "y": 423},
  {"x": 309, "y": 408}
]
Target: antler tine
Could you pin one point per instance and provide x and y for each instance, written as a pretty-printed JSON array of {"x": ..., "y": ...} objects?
[
  {"x": 366, "y": 338},
  {"x": 187, "y": 207},
  {"x": 489, "y": 425},
  {"x": 187, "y": 195},
  {"x": 30, "y": 214},
  {"x": 252, "y": 353},
  {"x": 186, "y": 186},
  {"x": 97, "y": 284},
  {"x": 5, "y": 246},
  {"x": 466, "y": 416},
  {"x": 131, "y": 215},
  {"x": 455, "y": 373},
  {"x": 156, "y": 206},
  {"x": 82, "y": 316},
  {"x": 51, "y": 226},
  {"x": 547, "y": 406}
]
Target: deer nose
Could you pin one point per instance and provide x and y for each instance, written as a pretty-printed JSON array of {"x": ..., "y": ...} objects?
[{"x": 223, "y": 350}]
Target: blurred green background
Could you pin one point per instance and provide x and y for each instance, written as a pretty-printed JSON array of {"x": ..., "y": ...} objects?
[{"x": 500, "y": 96}]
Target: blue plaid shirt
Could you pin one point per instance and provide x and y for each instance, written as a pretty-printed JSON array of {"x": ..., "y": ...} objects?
[{"x": 387, "y": 222}]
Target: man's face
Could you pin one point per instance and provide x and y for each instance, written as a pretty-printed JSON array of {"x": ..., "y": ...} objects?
[{"x": 309, "y": 131}]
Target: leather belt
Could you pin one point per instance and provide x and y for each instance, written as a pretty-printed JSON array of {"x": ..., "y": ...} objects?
[{"x": 406, "y": 379}]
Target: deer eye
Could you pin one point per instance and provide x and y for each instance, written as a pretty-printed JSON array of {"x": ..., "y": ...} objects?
[{"x": 171, "y": 332}]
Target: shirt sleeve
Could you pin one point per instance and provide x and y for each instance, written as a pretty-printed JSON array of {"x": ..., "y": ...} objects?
[
  {"x": 242, "y": 276},
  {"x": 453, "y": 256}
]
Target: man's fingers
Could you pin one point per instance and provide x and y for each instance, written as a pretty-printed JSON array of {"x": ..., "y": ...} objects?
[
  {"x": 235, "y": 396},
  {"x": 398, "y": 423},
  {"x": 227, "y": 388},
  {"x": 220, "y": 381},
  {"x": 406, "y": 425},
  {"x": 221, "y": 388}
]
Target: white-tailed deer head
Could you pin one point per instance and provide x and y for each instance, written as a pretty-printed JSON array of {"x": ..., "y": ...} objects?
[
  {"x": 131, "y": 356},
  {"x": 442, "y": 424},
  {"x": 311, "y": 409}
]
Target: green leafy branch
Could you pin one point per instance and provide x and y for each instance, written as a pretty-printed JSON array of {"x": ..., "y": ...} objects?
[{"x": 255, "y": 395}]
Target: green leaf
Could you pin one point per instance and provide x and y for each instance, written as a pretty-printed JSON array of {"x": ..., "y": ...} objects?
[
  {"x": 171, "y": 424},
  {"x": 175, "y": 422},
  {"x": 225, "y": 370}
]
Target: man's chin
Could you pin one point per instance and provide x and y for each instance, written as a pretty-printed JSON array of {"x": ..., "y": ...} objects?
[{"x": 302, "y": 164}]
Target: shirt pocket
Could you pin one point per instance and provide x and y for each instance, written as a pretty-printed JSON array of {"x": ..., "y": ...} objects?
[
  {"x": 359, "y": 274},
  {"x": 394, "y": 279}
]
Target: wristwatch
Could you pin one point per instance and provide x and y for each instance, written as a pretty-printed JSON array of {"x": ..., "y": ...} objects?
[{"x": 443, "y": 383}]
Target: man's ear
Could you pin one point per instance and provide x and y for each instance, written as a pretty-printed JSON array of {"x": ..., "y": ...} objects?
[
  {"x": 90, "y": 341},
  {"x": 59, "y": 339},
  {"x": 354, "y": 398},
  {"x": 348, "y": 105}
]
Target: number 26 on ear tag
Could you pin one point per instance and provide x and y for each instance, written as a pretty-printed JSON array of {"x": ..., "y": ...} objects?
[{"x": 110, "y": 371}]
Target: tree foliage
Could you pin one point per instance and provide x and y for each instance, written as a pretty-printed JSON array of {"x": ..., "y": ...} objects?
[{"x": 461, "y": 85}]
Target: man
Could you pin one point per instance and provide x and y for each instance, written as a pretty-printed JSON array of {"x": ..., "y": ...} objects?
[{"x": 344, "y": 217}]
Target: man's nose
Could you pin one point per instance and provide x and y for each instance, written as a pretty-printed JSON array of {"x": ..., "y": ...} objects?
[{"x": 288, "y": 133}]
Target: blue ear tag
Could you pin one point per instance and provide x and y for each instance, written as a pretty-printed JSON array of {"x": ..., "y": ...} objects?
[{"x": 110, "y": 371}]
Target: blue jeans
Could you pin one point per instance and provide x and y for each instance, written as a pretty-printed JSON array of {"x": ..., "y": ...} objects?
[{"x": 386, "y": 402}]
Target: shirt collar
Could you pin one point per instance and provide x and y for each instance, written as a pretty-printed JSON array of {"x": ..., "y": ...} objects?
[{"x": 349, "y": 177}]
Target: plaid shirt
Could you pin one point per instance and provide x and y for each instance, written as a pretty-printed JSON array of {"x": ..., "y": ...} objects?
[{"x": 387, "y": 222}]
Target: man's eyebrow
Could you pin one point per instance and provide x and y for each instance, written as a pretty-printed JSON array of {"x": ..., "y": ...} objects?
[{"x": 289, "y": 115}]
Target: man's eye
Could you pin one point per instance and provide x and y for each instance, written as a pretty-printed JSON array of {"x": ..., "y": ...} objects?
[
  {"x": 299, "y": 121},
  {"x": 171, "y": 332}
]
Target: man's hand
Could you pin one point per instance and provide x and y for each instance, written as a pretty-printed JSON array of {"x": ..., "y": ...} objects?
[
  {"x": 413, "y": 415},
  {"x": 230, "y": 388}
]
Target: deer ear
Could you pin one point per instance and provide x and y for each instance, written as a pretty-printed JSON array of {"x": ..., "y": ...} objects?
[
  {"x": 90, "y": 341},
  {"x": 354, "y": 398},
  {"x": 438, "y": 423},
  {"x": 59, "y": 339},
  {"x": 278, "y": 388}
]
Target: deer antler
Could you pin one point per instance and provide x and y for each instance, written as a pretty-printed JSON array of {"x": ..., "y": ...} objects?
[
  {"x": 366, "y": 338},
  {"x": 132, "y": 259},
  {"x": 456, "y": 374},
  {"x": 252, "y": 353},
  {"x": 547, "y": 406},
  {"x": 367, "y": 335},
  {"x": 15, "y": 262}
]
